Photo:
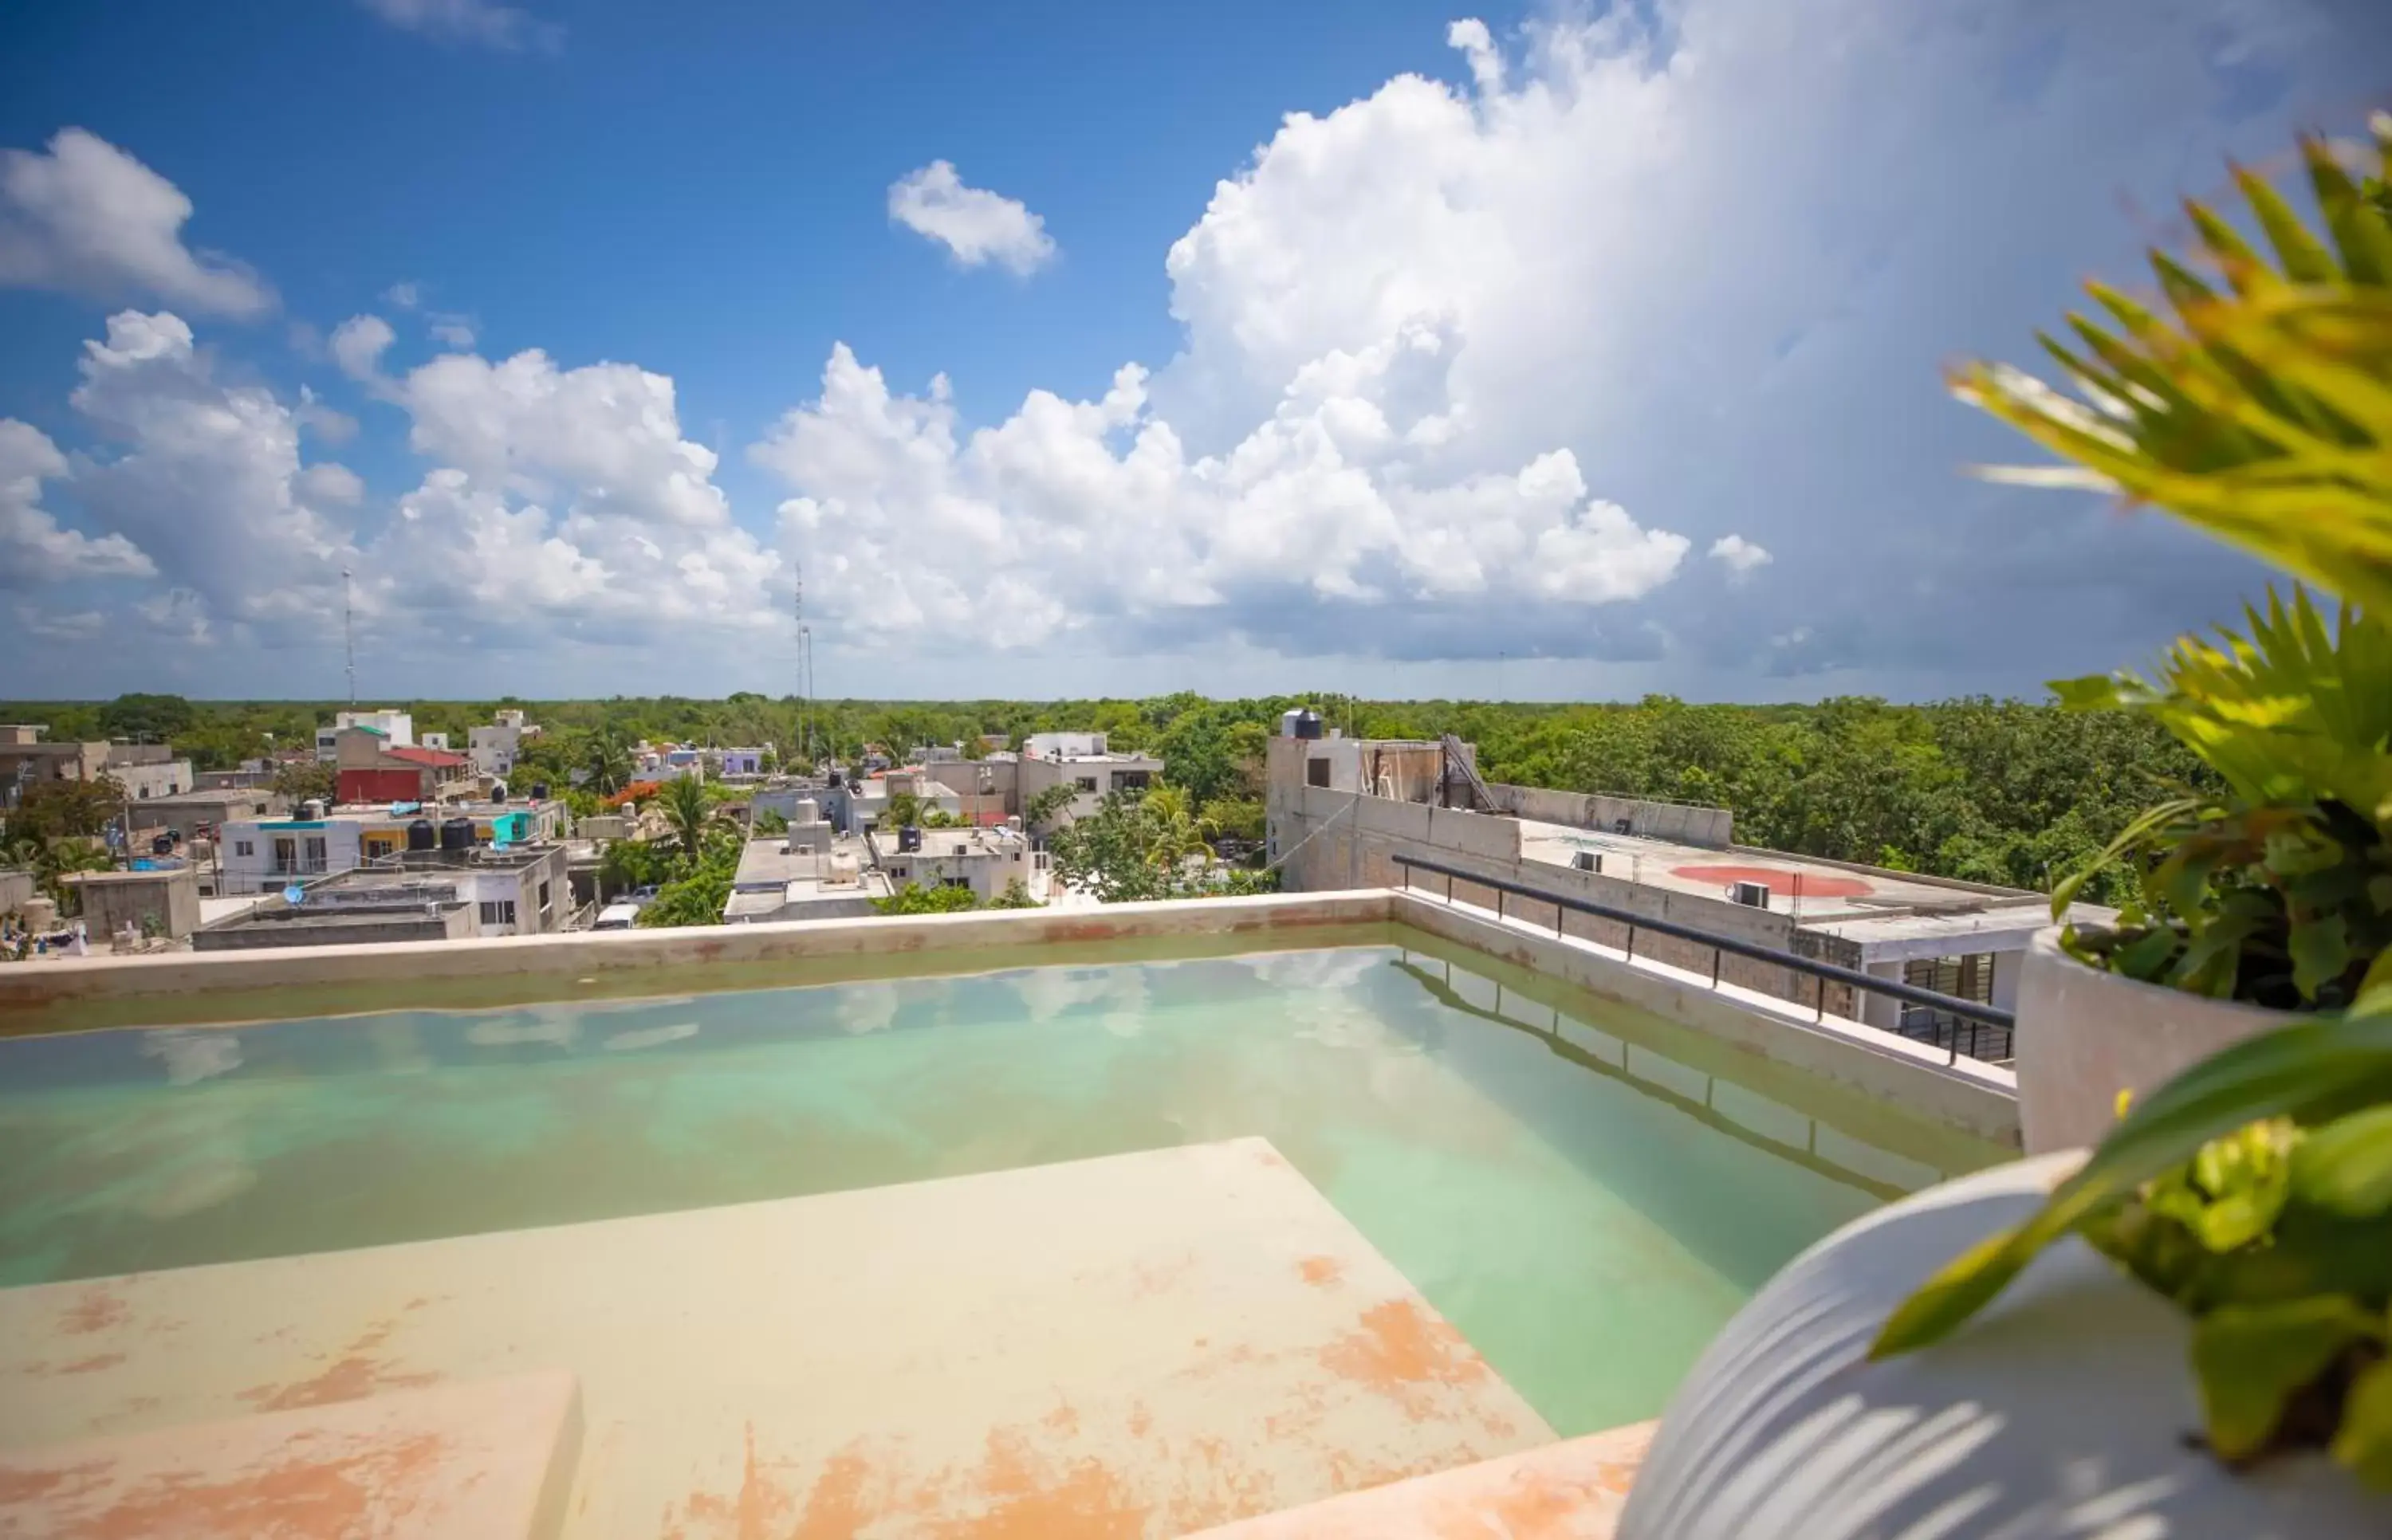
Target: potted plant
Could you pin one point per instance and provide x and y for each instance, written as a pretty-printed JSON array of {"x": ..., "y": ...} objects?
[
  {"x": 2188, "y": 1332},
  {"x": 2260, "y": 413}
]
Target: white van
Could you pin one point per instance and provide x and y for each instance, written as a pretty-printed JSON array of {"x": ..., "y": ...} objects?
[{"x": 618, "y": 916}]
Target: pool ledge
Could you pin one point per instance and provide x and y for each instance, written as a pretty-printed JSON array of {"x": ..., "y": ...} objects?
[{"x": 1573, "y": 1490}]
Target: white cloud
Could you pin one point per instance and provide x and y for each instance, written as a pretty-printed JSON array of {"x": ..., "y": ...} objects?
[
  {"x": 86, "y": 218},
  {"x": 452, "y": 331},
  {"x": 1740, "y": 556},
  {"x": 560, "y": 505},
  {"x": 975, "y": 225},
  {"x": 1070, "y": 512},
  {"x": 403, "y": 295},
  {"x": 565, "y": 501},
  {"x": 204, "y": 477},
  {"x": 357, "y": 345},
  {"x": 476, "y": 21},
  {"x": 327, "y": 423},
  {"x": 35, "y": 549},
  {"x": 328, "y": 484}
]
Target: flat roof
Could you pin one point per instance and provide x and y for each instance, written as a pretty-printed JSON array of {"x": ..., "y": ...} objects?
[{"x": 1823, "y": 890}]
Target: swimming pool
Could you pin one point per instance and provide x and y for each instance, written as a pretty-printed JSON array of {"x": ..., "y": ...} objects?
[{"x": 1585, "y": 1193}]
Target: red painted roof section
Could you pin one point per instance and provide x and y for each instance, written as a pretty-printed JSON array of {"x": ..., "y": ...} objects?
[{"x": 415, "y": 755}]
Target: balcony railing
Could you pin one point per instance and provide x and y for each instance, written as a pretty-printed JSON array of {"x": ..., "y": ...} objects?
[{"x": 1981, "y": 1030}]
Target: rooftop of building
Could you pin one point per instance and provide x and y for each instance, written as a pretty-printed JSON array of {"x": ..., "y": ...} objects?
[
  {"x": 995, "y": 841},
  {"x": 1812, "y": 890}
]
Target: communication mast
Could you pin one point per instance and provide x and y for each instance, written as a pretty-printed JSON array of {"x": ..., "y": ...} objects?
[
  {"x": 349, "y": 633},
  {"x": 805, "y": 670}
]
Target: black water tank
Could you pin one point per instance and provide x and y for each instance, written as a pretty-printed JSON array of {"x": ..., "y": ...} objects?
[
  {"x": 457, "y": 834},
  {"x": 162, "y": 845},
  {"x": 1308, "y": 723},
  {"x": 423, "y": 836},
  {"x": 539, "y": 791},
  {"x": 498, "y": 791},
  {"x": 909, "y": 839}
]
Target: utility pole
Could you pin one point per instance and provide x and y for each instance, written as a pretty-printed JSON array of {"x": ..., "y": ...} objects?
[{"x": 349, "y": 633}]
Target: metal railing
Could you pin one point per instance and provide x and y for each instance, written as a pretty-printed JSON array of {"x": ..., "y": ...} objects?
[{"x": 1976, "y": 1029}]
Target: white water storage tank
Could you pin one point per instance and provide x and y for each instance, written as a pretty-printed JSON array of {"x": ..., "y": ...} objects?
[{"x": 806, "y": 813}]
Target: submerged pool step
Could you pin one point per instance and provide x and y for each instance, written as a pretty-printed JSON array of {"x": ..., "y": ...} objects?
[{"x": 1136, "y": 1345}]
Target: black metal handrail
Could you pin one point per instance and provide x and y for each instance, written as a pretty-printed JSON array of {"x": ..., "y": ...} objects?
[{"x": 1974, "y": 1011}]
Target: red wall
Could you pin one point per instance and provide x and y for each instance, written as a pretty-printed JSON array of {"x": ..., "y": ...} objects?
[{"x": 383, "y": 785}]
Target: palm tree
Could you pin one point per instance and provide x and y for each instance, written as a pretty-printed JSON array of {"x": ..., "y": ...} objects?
[
  {"x": 690, "y": 812},
  {"x": 1175, "y": 834},
  {"x": 608, "y": 761}
]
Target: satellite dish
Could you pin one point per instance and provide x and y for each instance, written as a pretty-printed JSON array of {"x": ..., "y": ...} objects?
[{"x": 294, "y": 895}]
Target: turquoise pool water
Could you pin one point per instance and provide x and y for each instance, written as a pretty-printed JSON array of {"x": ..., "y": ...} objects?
[{"x": 1587, "y": 1196}]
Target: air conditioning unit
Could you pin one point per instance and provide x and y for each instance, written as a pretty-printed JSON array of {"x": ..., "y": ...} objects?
[
  {"x": 1753, "y": 895},
  {"x": 1587, "y": 860}
]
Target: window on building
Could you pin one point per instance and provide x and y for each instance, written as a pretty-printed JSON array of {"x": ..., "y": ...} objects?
[
  {"x": 1316, "y": 773},
  {"x": 315, "y": 856},
  {"x": 144, "y": 794},
  {"x": 1087, "y": 782},
  {"x": 243, "y": 848},
  {"x": 954, "y": 882},
  {"x": 499, "y": 912},
  {"x": 544, "y": 898},
  {"x": 1129, "y": 781}
]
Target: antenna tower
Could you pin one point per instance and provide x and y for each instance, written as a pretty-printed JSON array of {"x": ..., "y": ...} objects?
[{"x": 349, "y": 634}]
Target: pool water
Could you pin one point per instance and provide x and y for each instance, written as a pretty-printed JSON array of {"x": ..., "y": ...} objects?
[{"x": 1587, "y": 1194}]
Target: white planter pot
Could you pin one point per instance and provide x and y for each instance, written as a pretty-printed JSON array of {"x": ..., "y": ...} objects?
[
  {"x": 2085, "y": 1035},
  {"x": 2063, "y": 1409}
]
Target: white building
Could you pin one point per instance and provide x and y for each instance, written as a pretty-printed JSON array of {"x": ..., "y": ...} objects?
[
  {"x": 397, "y": 726},
  {"x": 986, "y": 861},
  {"x": 266, "y": 855},
  {"x": 1088, "y": 764},
  {"x": 495, "y": 748},
  {"x": 157, "y": 777}
]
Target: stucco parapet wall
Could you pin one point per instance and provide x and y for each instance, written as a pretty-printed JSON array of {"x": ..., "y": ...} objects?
[
  {"x": 66, "y": 993},
  {"x": 1969, "y": 1095}
]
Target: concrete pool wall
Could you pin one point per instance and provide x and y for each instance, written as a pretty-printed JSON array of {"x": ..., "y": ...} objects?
[{"x": 193, "y": 988}]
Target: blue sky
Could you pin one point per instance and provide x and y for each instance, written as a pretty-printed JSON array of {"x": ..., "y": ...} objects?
[{"x": 1566, "y": 352}]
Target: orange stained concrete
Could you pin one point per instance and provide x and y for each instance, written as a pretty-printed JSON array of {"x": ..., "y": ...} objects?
[
  {"x": 1141, "y": 1345},
  {"x": 488, "y": 1459},
  {"x": 1569, "y": 1490}
]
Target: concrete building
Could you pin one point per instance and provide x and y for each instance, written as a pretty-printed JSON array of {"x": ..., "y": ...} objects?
[
  {"x": 495, "y": 748},
  {"x": 808, "y": 872},
  {"x": 1084, "y": 761},
  {"x": 28, "y": 755},
  {"x": 396, "y": 727},
  {"x": 370, "y": 768},
  {"x": 194, "y": 813},
  {"x": 744, "y": 763},
  {"x": 414, "y": 894},
  {"x": 161, "y": 900},
  {"x": 985, "y": 861},
  {"x": 861, "y": 802},
  {"x": 145, "y": 778},
  {"x": 1341, "y": 810},
  {"x": 267, "y": 855}
]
